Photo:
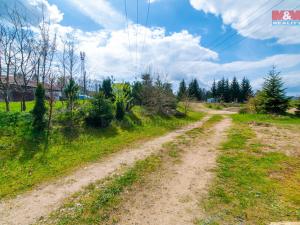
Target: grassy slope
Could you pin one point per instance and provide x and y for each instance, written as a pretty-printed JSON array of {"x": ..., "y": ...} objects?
[
  {"x": 99, "y": 202},
  {"x": 252, "y": 186},
  {"x": 29, "y": 164}
]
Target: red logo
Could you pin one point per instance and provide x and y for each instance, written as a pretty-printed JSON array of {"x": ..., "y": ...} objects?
[{"x": 286, "y": 15}]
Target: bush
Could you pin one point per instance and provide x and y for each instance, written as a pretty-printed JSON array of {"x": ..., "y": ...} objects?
[
  {"x": 297, "y": 112},
  {"x": 39, "y": 110},
  {"x": 120, "y": 110},
  {"x": 100, "y": 113}
]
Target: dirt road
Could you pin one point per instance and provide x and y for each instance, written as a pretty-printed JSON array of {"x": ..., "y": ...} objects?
[
  {"x": 173, "y": 200},
  {"x": 29, "y": 207}
]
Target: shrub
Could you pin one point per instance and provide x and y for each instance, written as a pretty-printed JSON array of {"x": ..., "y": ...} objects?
[
  {"x": 100, "y": 113},
  {"x": 39, "y": 110},
  {"x": 297, "y": 112},
  {"x": 120, "y": 110},
  {"x": 71, "y": 91}
]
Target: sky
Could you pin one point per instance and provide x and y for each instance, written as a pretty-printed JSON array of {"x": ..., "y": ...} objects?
[{"x": 180, "y": 39}]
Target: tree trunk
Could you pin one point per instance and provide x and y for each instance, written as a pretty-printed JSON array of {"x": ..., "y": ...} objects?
[{"x": 7, "y": 103}]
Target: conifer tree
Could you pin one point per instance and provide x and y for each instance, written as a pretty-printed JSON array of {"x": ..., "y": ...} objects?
[
  {"x": 39, "y": 110},
  {"x": 194, "y": 90},
  {"x": 234, "y": 90},
  {"x": 246, "y": 90},
  {"x": 214, "y": 89},
  {"x": 106, "y": 88},
  {"x": 226, "y": 91},
  {"x": 182, "y": 92},
  {"x": 273, "y": 94}
]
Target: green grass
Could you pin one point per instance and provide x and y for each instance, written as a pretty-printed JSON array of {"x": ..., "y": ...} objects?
[
  {"x": 24, "y": 162},
  {"x": 252, "y": 186},
  {"x": 266, "y": 118},
  {"x": 99, "y": 200},
  {"x": 99, "y": 203}
]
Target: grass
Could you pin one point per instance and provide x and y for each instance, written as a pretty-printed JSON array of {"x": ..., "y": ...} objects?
[
  {"x": 99, "y": 203},
  {"x": 25, "y": 163},
  {"x": 100, "y": 199},
  {"x": 253, "y": 186},
  {"x": 266, "y": 118}
]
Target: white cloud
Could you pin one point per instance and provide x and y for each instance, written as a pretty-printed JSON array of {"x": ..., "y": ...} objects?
[
  {"x": 101, "y": 12},
  {"x": 240, "y": 14},
  {"x": 55, "y": 15}
]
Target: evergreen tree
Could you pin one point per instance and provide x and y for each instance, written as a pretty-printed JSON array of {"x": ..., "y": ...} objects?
[
  {"x": 137, "y": 93},
  {"x": 214, "y": 89},
  {"x": 182, "y": 92},
  {"x": 273, "y": 93},
  {"x": 234, "y": 90},
  {"x": 297, "y": 112},
  {"x": 39, "y": 110},
  {"x": 246, "y": 90},
  {"x": 220, "y": 89},
  {"x": 106, "y": 88},
  {"x": 71, "y": 93},
  {"x": 226, "y": 91},
  {"x": 194, "y": 90}
]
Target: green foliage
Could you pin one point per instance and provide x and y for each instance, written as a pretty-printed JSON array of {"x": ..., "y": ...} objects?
[
  {"x": 214, "y": 89},
  {"x": 194, "y": 90},
  {"x": 182, "y": 92},
  {"x": 158, "y": 97},
  {"x": 71, "y": 92},
  {"x": 246, "y": 90},
  {"x": 235, "y": 90},
  {"x": 39, "y": 110},
  {"x": 297, "y": 112},
  {"x": 120, "y": 110},
  {"x": 100, "y": 114},
  {"x": 137, "y": 92},
  {"x": 272, "y": 96},
  {"x": 107, "y": 89}
]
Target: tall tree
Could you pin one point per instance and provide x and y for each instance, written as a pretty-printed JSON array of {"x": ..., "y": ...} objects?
[
  {"x": 194, "y": 90},
  {"x": 221, "y": 89},
  {"x": 274, "y": 98},
  {"x": 226, "y": 91},
  {"x": 234, "y": 90},
  {"x": 214, "y": 89},
  {"x": 246, "y": 90},
  {"x": 182, "y": 90}
]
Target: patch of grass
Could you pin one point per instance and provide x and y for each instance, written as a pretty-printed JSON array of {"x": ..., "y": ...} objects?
[
  {"x": 265, "y": 118},
  {"x": 216, "y": 106},
  {"x": 100, "y": 200},
  {"x": 25, "y": 162},
  {"x": 252, "y": 186}
]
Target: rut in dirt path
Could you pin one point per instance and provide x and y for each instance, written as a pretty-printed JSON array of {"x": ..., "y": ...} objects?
[
  {"x": 29, "y": 207},
  {"x": 172, "y": 199}
]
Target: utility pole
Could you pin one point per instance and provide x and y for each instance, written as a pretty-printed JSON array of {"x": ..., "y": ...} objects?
[{"x": 83, "y": 72}]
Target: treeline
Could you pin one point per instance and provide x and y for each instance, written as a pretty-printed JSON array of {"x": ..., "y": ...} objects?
[
  {"x": 221, "y": 91},
  {"x": 112, "y": 101},
  {"x": 225, "y": 91},
  {"x": 192, "y": 91},
  {"x": 29, "y": 55}
]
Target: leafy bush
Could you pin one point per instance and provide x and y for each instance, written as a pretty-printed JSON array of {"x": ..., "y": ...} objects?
[
  {"x": 297, "y": 112},
  {"x": 100, "y": 113},
  {"x": 120, "y": 110},
  {"x": 39, "y": 110}
]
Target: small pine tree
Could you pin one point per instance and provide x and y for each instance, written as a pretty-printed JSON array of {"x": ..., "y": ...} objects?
[
  {"x": 39, "y": 110},
  {"x": 274, "y": 98},
  {"x": 182, "y": 90}
]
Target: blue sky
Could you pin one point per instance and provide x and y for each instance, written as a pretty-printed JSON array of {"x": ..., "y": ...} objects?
[{"x": 202, "y": 39}]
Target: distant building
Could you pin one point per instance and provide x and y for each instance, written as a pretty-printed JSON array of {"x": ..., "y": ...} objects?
[
  {"x": 15, "y": 92},
  {"x": 212, "y": 100}
]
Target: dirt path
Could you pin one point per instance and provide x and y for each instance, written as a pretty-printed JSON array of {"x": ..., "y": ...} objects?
[
  {"x": 29, "y": 207},
  {"x": 173, "y": 199}
]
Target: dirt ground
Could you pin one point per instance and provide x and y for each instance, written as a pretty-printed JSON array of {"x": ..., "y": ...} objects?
[
  {"x": 29, "y": 207},
  {"x": 172, "y": 198}
]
